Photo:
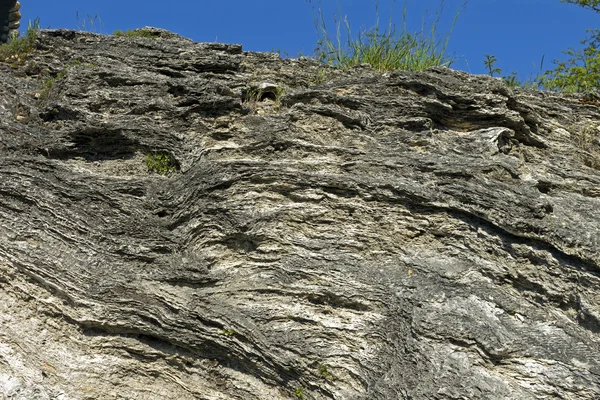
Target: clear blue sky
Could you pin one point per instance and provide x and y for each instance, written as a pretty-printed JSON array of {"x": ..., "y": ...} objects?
[{"x": 517, "y": 32}]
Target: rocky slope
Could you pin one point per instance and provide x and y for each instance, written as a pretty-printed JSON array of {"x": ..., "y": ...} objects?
[{"x": 319, "y": 234}]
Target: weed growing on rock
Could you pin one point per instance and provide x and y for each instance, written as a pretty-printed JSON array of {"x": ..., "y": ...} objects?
[
  {"x": 17, "y": 48},
  {"x": 320, "y": 76},
  {"x": 89, "y": 24},
  {"x": 254, "y": 95},
  {"x": 136, "y": 33},
  {"x": 299, "y": 393},
  {"x": 385, "y": 50},
  {"x": 280, "y": 52},
  {"x": 227, "y": 332},
  {"x": 160, "y": 163},
  {"x": 325, "y": 374},
  {"x": 511, "y": 80},
  {"x": 266, "y": 91},
  {"x": 49, "y": 83}
]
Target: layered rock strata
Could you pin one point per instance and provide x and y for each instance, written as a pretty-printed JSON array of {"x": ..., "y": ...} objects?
[{"x": 185, "y": 220}]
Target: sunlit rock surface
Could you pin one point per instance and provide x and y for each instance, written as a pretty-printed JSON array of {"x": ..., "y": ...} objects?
[{"x": 320, "y": 234}]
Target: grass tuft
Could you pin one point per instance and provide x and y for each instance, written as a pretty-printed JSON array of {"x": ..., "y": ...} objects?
[
  {"x": 89, "y": 23},
  {"x": 384, "y": 49},
  {"x": 18, "y": 48}
]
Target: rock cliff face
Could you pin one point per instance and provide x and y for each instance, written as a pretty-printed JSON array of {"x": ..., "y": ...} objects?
[{"x": 318, "y": 234}]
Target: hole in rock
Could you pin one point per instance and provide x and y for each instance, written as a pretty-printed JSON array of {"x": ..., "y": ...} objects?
[{"x": 97, "y": 145}]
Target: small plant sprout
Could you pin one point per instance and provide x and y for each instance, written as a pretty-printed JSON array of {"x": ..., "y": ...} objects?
[
  {"x": 512, "y": 80},
  {"x": 49, "y": 83},
  {"x": 490, "y": 62},
  {"x": 160, "y": 163},
  {"x": 325, "y": 373},
  {"x": 299, "y": 393}
]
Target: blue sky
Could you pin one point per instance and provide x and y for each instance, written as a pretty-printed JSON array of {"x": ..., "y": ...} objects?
[{"x": 517, "y": 32}]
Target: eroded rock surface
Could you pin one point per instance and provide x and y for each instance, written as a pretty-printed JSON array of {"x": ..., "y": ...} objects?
[{"x": 323, "y": 234}]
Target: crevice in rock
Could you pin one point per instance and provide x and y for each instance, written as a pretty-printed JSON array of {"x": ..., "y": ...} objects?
[
  {"x": 334, "y": 300},
  {"x": 97, "y": 144},
  {"x": 227, "y": 353},
  {"x": 60, "y": 112}
]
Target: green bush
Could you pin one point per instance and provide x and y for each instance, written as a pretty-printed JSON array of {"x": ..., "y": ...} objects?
[{"x": 581, "y": 72}]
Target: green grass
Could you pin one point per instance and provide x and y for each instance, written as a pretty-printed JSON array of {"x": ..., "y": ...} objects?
[
  {"x": 49, "y": 83},
  {"x": 92, "y": 24},
  {"x": 325, "y": 373},
  {"x": 18, "y": 48},
  {"x": 299, "y": 393},
  {"x": 384, "y": 49}
]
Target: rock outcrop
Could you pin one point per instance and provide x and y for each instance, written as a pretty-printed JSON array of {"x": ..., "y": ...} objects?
[
  {"x": 185, "y": 220},
  {"x": 10, "y": 19}
]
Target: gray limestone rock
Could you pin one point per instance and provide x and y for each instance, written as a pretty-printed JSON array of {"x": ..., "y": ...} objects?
[{"x": 318, "y": 234}]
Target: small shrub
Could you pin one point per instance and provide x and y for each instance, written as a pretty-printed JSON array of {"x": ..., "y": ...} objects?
[
  {"x": 490, "y": 62},
  {"x": 160, "y": 163},
  {"x": 581, "y": 72}
]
